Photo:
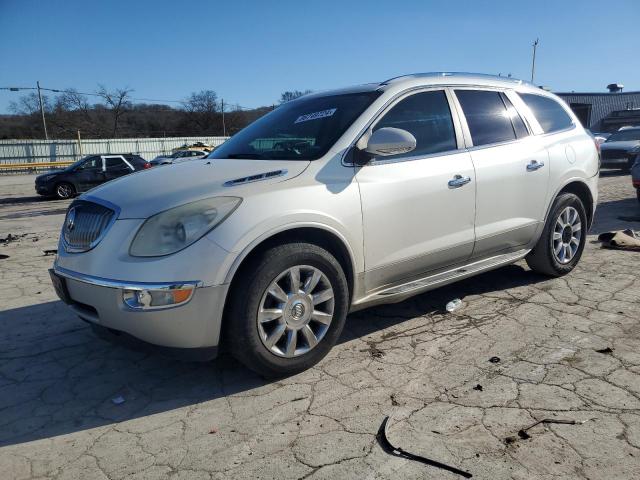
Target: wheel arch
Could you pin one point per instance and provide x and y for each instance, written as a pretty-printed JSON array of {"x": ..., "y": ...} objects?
[
  {"x": 582, "y": 191},
  {"x": 579, "y": 188},
  {"x": 320, "y": 235}
]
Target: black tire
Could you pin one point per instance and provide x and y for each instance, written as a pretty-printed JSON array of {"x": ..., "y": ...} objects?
[
  {"x": 542, "y": 258},
  {"x": 64, "y": 190},
  {"x": 241, "y": 333},
  {"x": 638, "y": 194}
]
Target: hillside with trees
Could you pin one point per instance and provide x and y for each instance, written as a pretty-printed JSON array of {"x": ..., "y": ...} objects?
[{"x": 116, "y": 114}]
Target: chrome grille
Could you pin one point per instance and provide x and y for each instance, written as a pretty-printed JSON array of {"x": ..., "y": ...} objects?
[{"x": 85, "y": 225}]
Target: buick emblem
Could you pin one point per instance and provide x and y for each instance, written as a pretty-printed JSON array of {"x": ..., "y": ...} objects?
[{"x": 71, "y": 220}]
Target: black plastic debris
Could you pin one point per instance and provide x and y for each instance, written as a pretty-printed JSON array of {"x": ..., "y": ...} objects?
[
  {"x": 522, "y": 433},
  {"x": 383, "y": 441},
  {"x": 494, "y": 359},
  {"x": 478, "y": 387},
  {"x": 8, "y": 239},
  {"x": 52, "y": 251},
  {"x": 2, "y": 256},
  {"x": 606, "y": 351}
]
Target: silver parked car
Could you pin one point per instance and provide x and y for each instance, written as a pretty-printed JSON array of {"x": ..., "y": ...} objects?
[{"x": 332, "y": 203}]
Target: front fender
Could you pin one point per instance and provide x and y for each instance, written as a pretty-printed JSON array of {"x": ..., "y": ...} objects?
[{"x": 249, "y": 242}]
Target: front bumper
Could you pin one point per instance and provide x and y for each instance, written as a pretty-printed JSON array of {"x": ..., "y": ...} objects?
[
  {"x": 194, "y": 324},
  {"x": 44, "y": 189},
  {"x": 620, "y": 162}
]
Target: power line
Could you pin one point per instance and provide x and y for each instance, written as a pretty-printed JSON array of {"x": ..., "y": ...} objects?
[{"x": 136, "y": 99}]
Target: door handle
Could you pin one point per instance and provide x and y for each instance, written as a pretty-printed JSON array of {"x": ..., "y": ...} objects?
[
  {"x": 458, "y": 181},
  {"x": 534, "y": 165}
]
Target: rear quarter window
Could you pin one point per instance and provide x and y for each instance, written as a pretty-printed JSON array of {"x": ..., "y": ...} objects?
[{"x": 549, "y": 113}]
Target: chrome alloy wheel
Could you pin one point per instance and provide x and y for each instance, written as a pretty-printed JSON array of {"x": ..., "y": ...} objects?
[
  {"x": 295, "y": 311},
  {"x": 567, "y": 233}
]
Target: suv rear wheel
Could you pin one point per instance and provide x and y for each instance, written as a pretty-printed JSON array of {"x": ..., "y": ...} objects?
[
  {"x": 288, "y": 309},
  {"x": 562, "y": 241}
]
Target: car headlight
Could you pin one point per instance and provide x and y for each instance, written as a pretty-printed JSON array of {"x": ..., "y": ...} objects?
[{"x": 175, "y": 229}]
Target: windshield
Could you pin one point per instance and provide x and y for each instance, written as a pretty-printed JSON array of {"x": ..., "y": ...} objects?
[
  {"x": 303, "y": 129},
  {"x": 77, "y": 163},
  {"x": 625, "y": 135}
]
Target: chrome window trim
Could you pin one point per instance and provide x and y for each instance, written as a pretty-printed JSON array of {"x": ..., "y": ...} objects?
[
  {"x": 104, "y": 203},
  {"x": 524, "y": 111},
  {"x": 390, "y": 104},
  {"x": 121, "y": 157},
  {"x": 555, "y": 132},
  {"x": 124, "y": 285},
  {"x": 413, "y": 158}
]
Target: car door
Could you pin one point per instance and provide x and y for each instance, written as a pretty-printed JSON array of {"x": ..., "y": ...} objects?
[
  {"x": 89, "y": 174},
  {"x": 116, "y": 166},
  {"x": 418, "y": 208},
  {"x": 512, "y": 171}
]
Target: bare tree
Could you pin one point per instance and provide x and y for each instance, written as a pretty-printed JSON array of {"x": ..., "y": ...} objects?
[
  {"x": 202, "y": 109},
  {"x": 118, "y": 101},
  {"x": 292, "y": 95},
  {"x": 74, "y": 112},
  {"x": 29, "y": 104}
]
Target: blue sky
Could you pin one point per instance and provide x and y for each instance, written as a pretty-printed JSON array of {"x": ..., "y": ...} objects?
[{"x": 251, "y": 51}]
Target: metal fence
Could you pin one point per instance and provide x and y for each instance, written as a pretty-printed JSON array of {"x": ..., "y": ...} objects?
[{"x": 46, "y": 152}]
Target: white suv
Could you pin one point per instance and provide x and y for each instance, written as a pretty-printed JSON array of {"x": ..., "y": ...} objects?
[{"x": 329, "y": 204}]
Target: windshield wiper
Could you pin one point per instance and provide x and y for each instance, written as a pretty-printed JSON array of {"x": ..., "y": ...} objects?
[{"x": 255, "y": 156}]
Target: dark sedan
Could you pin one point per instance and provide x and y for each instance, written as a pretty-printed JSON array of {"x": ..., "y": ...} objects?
[
  {"x": 87, "y": 173},
  {"x": 621, "y": 149}
]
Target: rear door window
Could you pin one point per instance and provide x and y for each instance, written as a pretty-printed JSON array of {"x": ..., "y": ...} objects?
[
  {"x": 113, "y": 164},
  {"x": 549, "y": 113},
  {"x": 487, "y": 116},
  {"x": 427, "y": 117}
]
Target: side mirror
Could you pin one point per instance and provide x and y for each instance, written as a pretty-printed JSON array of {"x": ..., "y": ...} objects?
[{"x": 390, "y": 141}]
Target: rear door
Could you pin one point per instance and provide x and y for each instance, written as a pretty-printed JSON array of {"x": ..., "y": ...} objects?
[
  {"x": 116, "y": 166},
  {"x": 414, "y": 219},
  {"x": 512, "y": 170},
  {"x": 89, "y": 174}
]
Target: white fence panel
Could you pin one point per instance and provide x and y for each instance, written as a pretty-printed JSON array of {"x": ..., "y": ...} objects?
[{"x": 45, "y": 151}]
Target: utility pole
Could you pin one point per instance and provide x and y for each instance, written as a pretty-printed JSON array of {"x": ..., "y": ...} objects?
[
  {"x": 224, "y": 127},
  {"x": 533, "y": 61},
  {"x": 44, "y": 122}
]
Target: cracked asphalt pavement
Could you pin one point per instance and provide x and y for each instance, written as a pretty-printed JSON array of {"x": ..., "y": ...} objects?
[{"x": 568, "y": 348}]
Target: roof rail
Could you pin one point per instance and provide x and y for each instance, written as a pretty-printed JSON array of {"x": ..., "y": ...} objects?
[{"x": 451, "y": 74}]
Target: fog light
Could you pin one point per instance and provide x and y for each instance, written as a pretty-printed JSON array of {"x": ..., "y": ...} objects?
[{"x": 153, "y": 299}]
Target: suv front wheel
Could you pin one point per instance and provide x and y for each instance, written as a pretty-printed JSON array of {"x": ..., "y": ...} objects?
[
  {"x": 562, "y": 241},
  {"x": 287, "y": 309}
]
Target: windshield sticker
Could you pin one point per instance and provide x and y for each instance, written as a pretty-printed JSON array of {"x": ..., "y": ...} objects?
[{"x": 315, "y": 115}]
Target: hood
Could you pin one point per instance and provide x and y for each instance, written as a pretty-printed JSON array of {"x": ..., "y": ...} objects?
[
  {"x": 52, "y": 172},
  {"x": 622, "y": 145},
  {"x": 147, "y": 192}
]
